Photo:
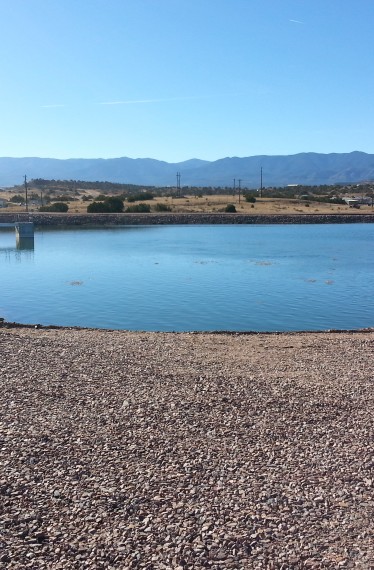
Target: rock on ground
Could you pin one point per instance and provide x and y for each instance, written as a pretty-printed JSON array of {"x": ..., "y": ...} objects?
[{"x": 157, "y": 451}]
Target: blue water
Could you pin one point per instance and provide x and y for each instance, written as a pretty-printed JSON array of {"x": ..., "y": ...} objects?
[{"x": 183, "y": 278}]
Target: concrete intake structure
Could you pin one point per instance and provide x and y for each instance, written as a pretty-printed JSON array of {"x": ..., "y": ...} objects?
[
  {"x": 24, "y": 230},
  {"x": 24, "y": 235}
]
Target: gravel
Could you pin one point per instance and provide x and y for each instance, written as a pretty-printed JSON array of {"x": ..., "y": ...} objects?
[{"x": 191, "y": 450}]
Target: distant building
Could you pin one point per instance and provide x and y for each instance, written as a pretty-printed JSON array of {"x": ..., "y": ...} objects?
[
  {"x": 364, "y": 200},
  {"x": 352, "y": 202}
]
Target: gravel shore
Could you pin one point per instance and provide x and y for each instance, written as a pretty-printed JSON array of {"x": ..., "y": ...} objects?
[{"x": 159, "y": 451}]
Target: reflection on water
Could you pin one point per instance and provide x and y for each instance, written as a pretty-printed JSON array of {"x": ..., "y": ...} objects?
[
  {"x": 11, "y": 254},
  {"x": 15, "y": 248},
  {"x": 174, "y": 278},
  {"x": 24, "y": 239}
]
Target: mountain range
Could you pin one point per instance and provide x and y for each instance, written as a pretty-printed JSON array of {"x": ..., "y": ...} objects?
[{"x": 304, "y": 168}]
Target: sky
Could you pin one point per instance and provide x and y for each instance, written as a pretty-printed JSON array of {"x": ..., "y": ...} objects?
[{"x": 181, "y": 79}]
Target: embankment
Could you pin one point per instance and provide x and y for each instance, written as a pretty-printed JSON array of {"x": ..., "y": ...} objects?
[{"x": 48, "y": 219}]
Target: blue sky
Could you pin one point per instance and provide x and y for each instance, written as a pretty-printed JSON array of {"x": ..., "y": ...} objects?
[{"x": 181, "y": 79}]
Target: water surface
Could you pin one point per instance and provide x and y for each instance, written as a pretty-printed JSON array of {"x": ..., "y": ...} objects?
[{"x": 180, "y": 278}]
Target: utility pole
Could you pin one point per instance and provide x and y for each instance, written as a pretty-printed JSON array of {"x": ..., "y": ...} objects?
[
  {"x": 27, "y": 203},
  {"x": 239, "y": 181},
  {"x": 234, "y": 186},
  {"x": 178, "y": 184},
  {"x": 261, "y": 184}
]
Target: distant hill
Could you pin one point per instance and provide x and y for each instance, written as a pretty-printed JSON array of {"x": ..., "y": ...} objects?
[{"x": 304, "y": 168}]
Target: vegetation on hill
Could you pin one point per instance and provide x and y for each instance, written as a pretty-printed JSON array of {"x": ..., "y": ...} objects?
[
  {"x": 108, "y": 197},
  {"x": 67, "y": 189},
  {"x": 74, "y": 185}
]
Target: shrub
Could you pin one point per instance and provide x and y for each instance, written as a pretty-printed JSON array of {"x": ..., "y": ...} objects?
[
  {"x": 55, "y": 207},
  {"x": 17, "y": 198},
  {"x": 230, "y": 208},
  {"x": 250, "y": 198},
  {"x": 139, "y": 208},
  {"x": 114, "y": 204},
  {"x": 63, "y": 198},
  {"x": 162, "y": 208},
  {"x": 97, "y": 208},
  {"x": 110, "y": 205},
  {"x": 140, "y": 197}
]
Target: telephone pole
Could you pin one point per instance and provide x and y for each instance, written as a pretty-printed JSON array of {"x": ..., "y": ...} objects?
[
  {"x": 234, "y": 186},
  {"x": 27, "y": 203},
  {"x": 239, "y": 181},
  {"x": 261, "y": 184},
  {"x": 178, "y": 184}
]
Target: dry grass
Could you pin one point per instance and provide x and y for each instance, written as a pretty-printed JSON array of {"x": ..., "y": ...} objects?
[{"x": 217, "y": 203}]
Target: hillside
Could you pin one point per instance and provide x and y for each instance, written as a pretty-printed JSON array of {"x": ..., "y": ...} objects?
[{"x": 303, "y": 168}]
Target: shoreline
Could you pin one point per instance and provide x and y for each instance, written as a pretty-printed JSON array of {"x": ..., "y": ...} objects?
[{"x": 14, "y": 325}]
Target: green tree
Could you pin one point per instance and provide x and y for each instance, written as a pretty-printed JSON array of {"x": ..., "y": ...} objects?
[{"x": 17, "y": 198}]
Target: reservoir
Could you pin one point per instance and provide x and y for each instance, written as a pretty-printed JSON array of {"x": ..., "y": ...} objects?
[{"x": 192, "y": 278}]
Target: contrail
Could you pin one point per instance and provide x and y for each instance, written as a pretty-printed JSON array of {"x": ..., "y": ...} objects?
[
  {"x": 141, "y": 101},
  {"x": 296, "y": 21}
]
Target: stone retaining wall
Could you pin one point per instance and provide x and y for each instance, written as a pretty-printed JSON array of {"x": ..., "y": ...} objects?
[{"x": 47, "y": 219}]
